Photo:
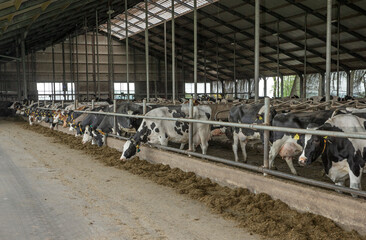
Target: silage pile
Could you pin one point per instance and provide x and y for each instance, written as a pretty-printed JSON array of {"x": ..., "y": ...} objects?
[{"x": 258, "y": 213}]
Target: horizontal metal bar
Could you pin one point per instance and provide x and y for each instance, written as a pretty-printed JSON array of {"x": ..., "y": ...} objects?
[
  {"x": 242, "y": 125},
  {"x": 260, "y": 169},
  {"x": 14, "y": 58}
]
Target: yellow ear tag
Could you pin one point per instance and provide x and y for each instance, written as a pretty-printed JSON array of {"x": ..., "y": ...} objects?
[
  {"x": 138, "y": 148},
  {"x": 325, "y": 137},
  {"x": 260, "y": 118},
  {"x": 297, "y": 137}
]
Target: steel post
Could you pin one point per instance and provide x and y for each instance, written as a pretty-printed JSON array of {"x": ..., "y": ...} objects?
[
  {"x": 110, "y": 55},
  {"x": 63, "y": 70},
  {"x": 256, "y": 49},
  {"x": 165, "y": 63},
  {"x": 71, "y": 69},
  {"x": 127, "y": 52},
  {"x": 204, "y": 68},
  {"x": 173, "y": 52},
  {"x": 92, "y": 104},
  {"x": 266, "y": 133},
  {"x": 77, "y": 66},
  {"x": 144, "y": 106},
  {"x": 53, "y": 74},
  {"x": 190, "y": 139},
  {"x": 97, "y": 49},
  {"x": 25, "y": 83},
  {"x": 338, "y": 43},
  {"x": 305, "y": 56},
  {"x": 18, "y": 72},
  {"x": 93, "y": 64},
  {"x": 328, "y": 49},
  {"x": 235, "y": 80},
  {"x": 86, "y": 61},
  {"x": 195, "y": 47},
  {"x": 147, "y": 51},
  {"x": 62, "y": 104},
  {"x": 114, "y": 117}
]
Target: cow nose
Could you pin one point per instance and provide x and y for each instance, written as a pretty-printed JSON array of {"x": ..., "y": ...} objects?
[
  {"x": 302, "y": 161},
  {"x": 123, "y": 158}
]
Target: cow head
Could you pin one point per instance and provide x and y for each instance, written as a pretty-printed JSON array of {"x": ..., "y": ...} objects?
[
  {"x": 98, "y": 138},
  {"x": 87, "y": 136},
  {"x": 314, "y": 146},
  {"x": 130, "y": 149}
]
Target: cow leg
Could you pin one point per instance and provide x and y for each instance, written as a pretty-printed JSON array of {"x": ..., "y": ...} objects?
[
  {"x": 291, "y": 165},
  {"x": 182, "y": 146},
  {"x": 355, "y": 181},
  {"x": 339, "y": 183},
  {"x": 243, "y": 149},
  {"x": 235, "y": 146},
  {"x": 204, "y": 146},
  {"x": 273, "y": 152}
]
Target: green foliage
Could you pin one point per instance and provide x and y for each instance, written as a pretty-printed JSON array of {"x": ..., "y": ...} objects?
[{"x": 288, "y": 82}]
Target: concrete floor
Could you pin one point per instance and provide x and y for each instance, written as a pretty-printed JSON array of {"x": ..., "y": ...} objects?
[{"x": 48, "y": 191}]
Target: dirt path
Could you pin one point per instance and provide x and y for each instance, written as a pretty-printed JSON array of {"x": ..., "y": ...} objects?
[{"x": 49, "y": 191}]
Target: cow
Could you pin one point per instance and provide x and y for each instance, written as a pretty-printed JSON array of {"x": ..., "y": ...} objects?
[
  {"x": 342, "y": 157},
  {"x": 162, "y": 131},
  {"x": 246, "y": 113},
  {"x": 90, "y": 124},
  {"x": 289, "y": 145}
]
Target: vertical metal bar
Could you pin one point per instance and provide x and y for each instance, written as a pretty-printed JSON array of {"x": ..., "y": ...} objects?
[
  {"x": 97, "y": 48},
  {"x": 63, "y": 103},
  {"x": 195, "y": 46},
  {"x": 72, "y": 90},
  {"x": 63, "y": 71},
  {"x": 155, "y": 79},
  {"x": 305, "y": 55},
  {"x": 328, "y": 49},
  {"x": 6, "y": 80},
  {"x": 235, "y": 80},
  {"x": 93, "y": 62},
  {"x": 190, "y": 136},
  {"x": 182, "y": 71},
  {"x": 134, "y": 69},
  {"x": 110, "y": 55},
  {"x": 349, "y": 83},
  {"x": 265, "y": 86},
  {"x": 173, "y": 51},
  {"x": 281, "y": 76},
  {"x": 277, "y": 87},
  {"x": 217, "y": 68},
  {"x": 256, "y": 49},
  {"x": 127, "y": 53},
  {"x": 204, "y": 67},
  {"x": 144, "y": 106},
  {"x": 53, "y": 74},
  {"x": 25, "y": 84},
  {"x": 338, "y": 42},
  {"x": 147, "y": 52},
  {"x": 92, "y": 104},
  {"x": 18, "y": 71},
  {"x": 86, "y": 60},
  {"x": 165, "y": 63},
  {"x": 77, "y": 66},
  {"x": 1, "y": 82},
  {"x": 266, "y": 133},
  {"x": 114, "y": 117}
]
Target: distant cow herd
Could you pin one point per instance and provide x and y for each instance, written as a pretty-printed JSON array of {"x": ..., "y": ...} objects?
[{"x": 342, "y": 158}]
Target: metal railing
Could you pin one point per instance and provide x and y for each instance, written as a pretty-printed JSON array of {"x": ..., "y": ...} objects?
[{"x": 265, "y": 127}]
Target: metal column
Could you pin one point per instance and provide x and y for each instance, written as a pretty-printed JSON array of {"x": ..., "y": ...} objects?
[
  {"x": 97, "y": 48},
  {"x": 256, "y": 50},
  {"x": 110, "y": 56},
  {"x": 77, "y": 67},
  {"x": 195, "y": 47},
  {"x": 266, "y": 133},
  {"x": 71, "y": 69},
  {"x": 25, "y": 84},
  {"x": 53, "y": 75},
  {"x": 173, "y": 52},
  {"x": 18, "y": 71},
  {"x": 305, "y": 56},
  {"x": 86, "y": 60},
  {"x": 147, "y": 52},
  {"x": 127, "y": 53},
  {"x": 235, "y": 80},
  {"x": 93, "y": 62},
  {"x": 338, "y": 42},
  {"x": 63, "y": 71},
  {"x": 328, "y": 49},
  {"x": 165, "y": 63},
  {"x": 204, "y": 68}
]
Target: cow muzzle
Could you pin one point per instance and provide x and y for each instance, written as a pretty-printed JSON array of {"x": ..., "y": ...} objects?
[{"x": 303, "y": 161}]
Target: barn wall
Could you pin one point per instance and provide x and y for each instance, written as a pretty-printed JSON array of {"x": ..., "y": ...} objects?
[{"x": 39, "y": 69}]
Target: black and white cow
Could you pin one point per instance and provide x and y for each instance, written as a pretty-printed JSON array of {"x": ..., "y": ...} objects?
[
  {"x": 289, "y": 145},
  {"x": 246, "y": 113},
  {"x": 342, "y": 158},
  {"x": 163, "y": 131}
]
